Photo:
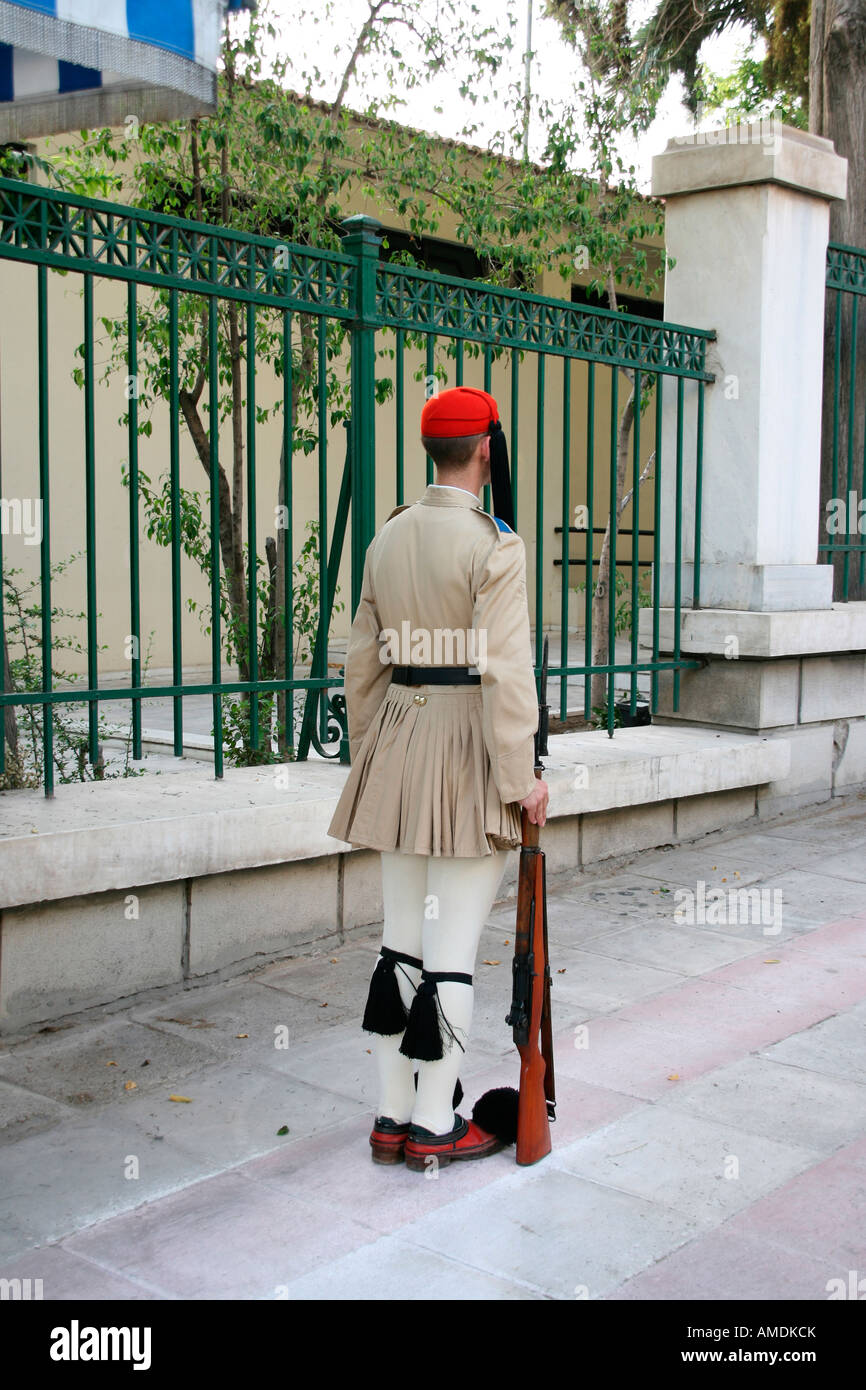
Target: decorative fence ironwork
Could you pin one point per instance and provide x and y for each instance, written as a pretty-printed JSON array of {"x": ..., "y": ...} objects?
[
  {"x": 438, "y": 326},
  {"x": 843, "y": 514}
]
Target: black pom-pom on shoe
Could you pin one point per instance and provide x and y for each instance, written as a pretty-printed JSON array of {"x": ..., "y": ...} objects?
[{"x": 496, "y": 1113}]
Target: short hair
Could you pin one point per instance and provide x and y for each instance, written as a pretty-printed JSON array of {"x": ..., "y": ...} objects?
[{"x": 451, "y": 451}]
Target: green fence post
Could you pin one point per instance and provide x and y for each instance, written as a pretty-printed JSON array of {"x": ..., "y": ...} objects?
[{"x": 361, "y": 239}]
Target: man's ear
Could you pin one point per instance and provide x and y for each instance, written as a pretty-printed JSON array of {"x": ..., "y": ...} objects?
[{"x": 484, "y": 448}]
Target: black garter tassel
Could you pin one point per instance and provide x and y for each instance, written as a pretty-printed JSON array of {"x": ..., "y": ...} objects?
[
  {"x": 385, "y": 1012},
  {"x": 423, "y": 1039}
]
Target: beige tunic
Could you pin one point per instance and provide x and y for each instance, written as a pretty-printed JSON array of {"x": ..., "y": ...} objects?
[{"x": 444, "y": 776}]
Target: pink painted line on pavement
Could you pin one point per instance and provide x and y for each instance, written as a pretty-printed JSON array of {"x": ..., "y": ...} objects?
[{"x": 703, "y": 1023}]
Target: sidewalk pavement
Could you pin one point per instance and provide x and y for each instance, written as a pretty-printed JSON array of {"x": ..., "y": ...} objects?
[{"x": 710, "y": 1140}]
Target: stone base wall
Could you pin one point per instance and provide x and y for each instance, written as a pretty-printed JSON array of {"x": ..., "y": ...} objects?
[
  {"x": 112, "y": 891},
  {"x": 815, "y": 703},
  {"x": 61, "y": 957}
]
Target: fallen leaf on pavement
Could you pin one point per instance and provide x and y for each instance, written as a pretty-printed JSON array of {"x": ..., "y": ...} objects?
[
  {"x": 493, "y": 962},
  {"x": 241, "y": 1035},
  {"x": 674, "y": 1076},
  {"x": 130, "y": 1085},
  {"x": 187, "y": 1100}
]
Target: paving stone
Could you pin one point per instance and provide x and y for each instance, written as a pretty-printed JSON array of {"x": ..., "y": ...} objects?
[
  {"x": 553, "y": 1232},
  {"x": 701, "y": 1168},
  {"x": 730, "y": 1016},
  {"x": 820, "y": 1215},
  {"x": 777, "y": 851},
  {"x": 784, "y": 1103},
  {"x": 23, "y": 1112},
  {"x": 227, "y": 1238},
  {"x": 67, "y": 1276},
  {"x": 724, "y": 1265},
  {"x": 391, "y": 1269},
  {"x": 234, "y": 1113},
  {"x": 638, "y": 1060},
  {"x": 339, "y": 977},
  {"x": 838, "y": 941},
  {"x": 601, "y": 983},
  {"x": 786, "y": 975},
  {"x": 628, "y": 897},
  {"x": 817, "y": 898},
  {"x": 848, "y": 864},
  {"x": 834, "y": 1047},
  {"x": 74, "y": 1174},
  {"x": 75, "y": 1069},
  {"x": 247, "y": 1022},
  {"x": 832, "y": 826},
  {"x": 689, "y": 951},
  {"x": 336, "y": 1169},
  {"x": 716, "y": 865},
  {"x": 577, "y": 918}
]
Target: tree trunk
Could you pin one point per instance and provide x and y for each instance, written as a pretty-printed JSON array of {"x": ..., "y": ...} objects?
[
  {"x": 278, "y": 643},
  {"x": 278, "y": 556},
  {"x": 837, "y": 110},
  {"x": 604, "y": 591}
]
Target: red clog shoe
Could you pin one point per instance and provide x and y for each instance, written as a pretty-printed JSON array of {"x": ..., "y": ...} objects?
[
  {"x": 465, "y": 1140},
  {"x": 388, "y": 1140}
]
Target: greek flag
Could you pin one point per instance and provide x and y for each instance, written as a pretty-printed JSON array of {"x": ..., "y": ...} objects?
[{"x": 70, "y": 64}]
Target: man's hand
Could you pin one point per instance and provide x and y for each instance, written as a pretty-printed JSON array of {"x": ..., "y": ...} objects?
[{"x": 536, "y": 802}]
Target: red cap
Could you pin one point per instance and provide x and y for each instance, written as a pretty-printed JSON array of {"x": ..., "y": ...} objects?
[{"x": 459, "y": 411}]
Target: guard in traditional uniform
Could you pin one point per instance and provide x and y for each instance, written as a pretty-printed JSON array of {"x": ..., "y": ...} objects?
[{"x": 442, "y": 708}]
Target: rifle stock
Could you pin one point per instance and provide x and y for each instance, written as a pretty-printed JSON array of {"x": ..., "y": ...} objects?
[
  {"x": 528, "y": 1007},
  {"x": 530, "y": 1002},
  {"x": 546, "y": 1018}
]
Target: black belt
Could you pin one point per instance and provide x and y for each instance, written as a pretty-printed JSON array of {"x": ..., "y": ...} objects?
[{"x": 434, "y": 675}]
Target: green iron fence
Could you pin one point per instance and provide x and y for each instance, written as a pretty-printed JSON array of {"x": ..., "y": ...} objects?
[
  {"x": 313, "y": 311},
  {"x": 844, "y": 424}
]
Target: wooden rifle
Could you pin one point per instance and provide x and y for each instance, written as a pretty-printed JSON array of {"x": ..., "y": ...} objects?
[{"x": 530, "y": 1016}]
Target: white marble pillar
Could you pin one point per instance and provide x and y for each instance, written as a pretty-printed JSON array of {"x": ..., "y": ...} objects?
[{"x": 746, "y": 219}]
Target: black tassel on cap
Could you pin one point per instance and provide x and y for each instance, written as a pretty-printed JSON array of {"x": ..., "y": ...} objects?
[
  {"x": 500, "y": 476},
  {"x": 496, "y": 1113},
  {"x": 385, "y": 1012}
]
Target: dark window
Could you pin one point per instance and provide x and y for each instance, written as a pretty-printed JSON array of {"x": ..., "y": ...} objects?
[
  {"x": 446, "y": 257},
  {"x": 629, "y": 303}
]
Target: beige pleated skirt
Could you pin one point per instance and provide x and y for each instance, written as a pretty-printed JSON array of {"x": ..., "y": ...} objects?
[{"x": 422, "y": 781}]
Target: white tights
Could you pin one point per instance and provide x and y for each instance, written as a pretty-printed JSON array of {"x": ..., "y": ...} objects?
[{"x": 435, "y": 909}]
